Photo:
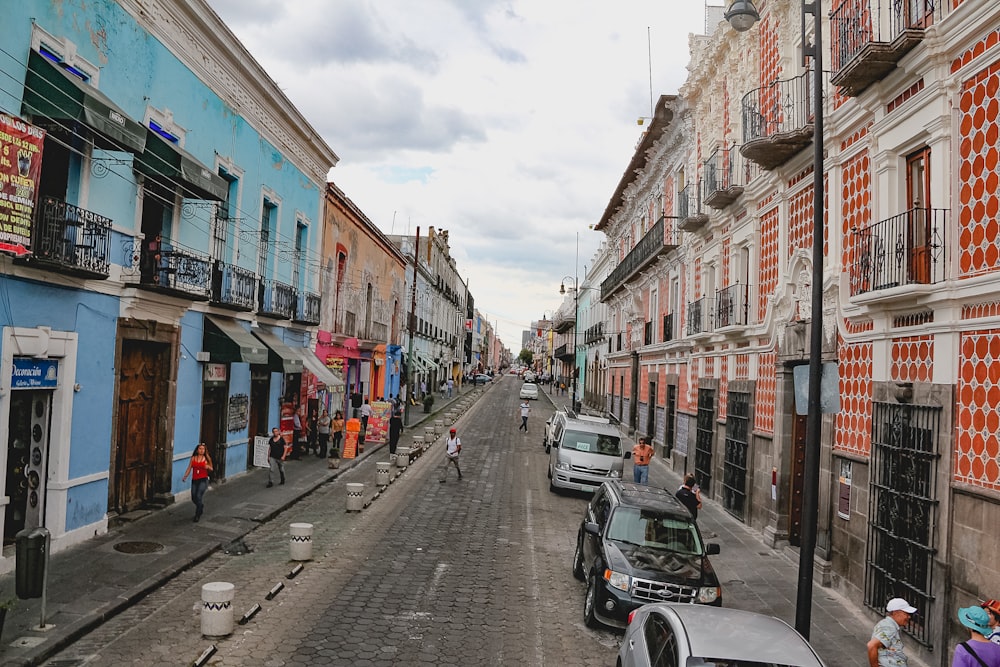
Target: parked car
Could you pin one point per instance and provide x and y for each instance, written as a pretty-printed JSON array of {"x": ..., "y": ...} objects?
[
  {"x": 584, "y": 452},
  {"x": 529, "y": 376},
  {"x": 638, "y": 544},
  {"x": 529, "y": 390},
  {"x": 679, "y": 634},
  {"x": 483, "y": 379}
]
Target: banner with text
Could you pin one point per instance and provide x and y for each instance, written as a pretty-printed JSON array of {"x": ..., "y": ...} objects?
[{"x": 20, "y": 170}]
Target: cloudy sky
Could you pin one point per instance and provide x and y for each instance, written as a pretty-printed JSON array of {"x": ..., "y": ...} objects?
[{"x": 507, "y": 122}]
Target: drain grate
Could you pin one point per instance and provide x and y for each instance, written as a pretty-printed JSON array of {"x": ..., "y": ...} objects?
[{"x": 138, "y": 547}]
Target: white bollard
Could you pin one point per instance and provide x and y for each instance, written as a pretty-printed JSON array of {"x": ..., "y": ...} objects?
[
  {"x": 217, "y": 609},
  {"x": 438, "y": 426},
  {"x": 419, "y": 443},
  {"x": 355, "y": 497},
  {"x": 382, "y": 477},
  {"x": 402, "y": 458},
  {"x": 301, "y": 542},
  {"x": 429, "y": 434}
]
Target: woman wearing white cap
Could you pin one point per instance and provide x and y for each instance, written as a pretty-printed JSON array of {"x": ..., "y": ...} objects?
[
  {"x": 978, "y": 651},
  {"x": 885, "y": 648}
]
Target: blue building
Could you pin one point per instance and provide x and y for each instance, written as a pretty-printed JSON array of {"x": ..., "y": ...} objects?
[{"x": 160, "y": 285}]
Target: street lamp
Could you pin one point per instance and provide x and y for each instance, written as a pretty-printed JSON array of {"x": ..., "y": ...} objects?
[
  {"x": 742, "y": 15},
  {"x": 576, "y": 328}
]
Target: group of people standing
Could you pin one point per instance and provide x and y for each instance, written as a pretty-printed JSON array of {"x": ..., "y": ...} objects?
[{"x": 982, "y": 649}]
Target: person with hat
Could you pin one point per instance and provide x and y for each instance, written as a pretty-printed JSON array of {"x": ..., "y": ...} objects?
[
  {"x": 453, "y": 447},
  {"x": 992, "y": 608},
  {"x": 978, "y": 651},
  {"x": 885, "y": 648}
]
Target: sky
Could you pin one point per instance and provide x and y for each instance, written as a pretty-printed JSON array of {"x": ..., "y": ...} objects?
[{"x": 508, "y": 123}]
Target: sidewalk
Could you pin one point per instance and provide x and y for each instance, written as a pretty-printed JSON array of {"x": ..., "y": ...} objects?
[
  {"x": 756, "y": 577},
  {"x": 93, "y": 581}
]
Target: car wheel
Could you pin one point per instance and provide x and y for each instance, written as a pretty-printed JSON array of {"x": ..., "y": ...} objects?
[
  {"x": 578, "y": 560},
  {"x": 589, "y": 603}
]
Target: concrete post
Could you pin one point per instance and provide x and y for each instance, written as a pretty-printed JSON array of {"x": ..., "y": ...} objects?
[
  {"x": 438, "y": 426},
  {"x": 382, "y": 476},
  {"x": 419, "y": 443},
  {"x": 217, "y": 609},
  {"x": 429, "y": 434},
  {"x": 301, "y": 543},
  {"x": 402, "y": 458},
  {"x": 356, "y": 497}
]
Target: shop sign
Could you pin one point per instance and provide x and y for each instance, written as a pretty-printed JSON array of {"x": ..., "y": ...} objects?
[
  {"x": 215, "y": 372},
  {"x": 335, "y": 363},
  {"x": 239, "y": 410},
  {"x": 29, "y": 373},
  {"x": 20, "y": 169}
]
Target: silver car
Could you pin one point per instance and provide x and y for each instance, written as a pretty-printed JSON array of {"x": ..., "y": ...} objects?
[{"x": 686, "y": 635}]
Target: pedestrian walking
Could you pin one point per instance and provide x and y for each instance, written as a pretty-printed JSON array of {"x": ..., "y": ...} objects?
[
  {"x": 337, "y": 431},
  {"x": 885, "y": 648},
  {"x": 453, "y": 447},
  {"x": 296, "y": 434},
  {"x": 277, "y": 452},
  {"x": 323, "y": 425},
  {"x": 641, "y": 455},
  {"x": 443, "y": 388},
  {"x": 525, "y": 410},
  {"x": 312, "y": 437},
  {"x": 977, "y": 651},
  {"x": 198, "y": 467},
  {"x": 690, "y": 495},
  {"x": 395, "y": 428},
  {"x": 451, "y": 386},
  {"x": 992, "y": 608}
]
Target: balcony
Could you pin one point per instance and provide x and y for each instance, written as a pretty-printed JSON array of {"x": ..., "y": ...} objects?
[
  {"x": 564, "y": 321},
  {"x": 308, "y": 308},
  {"x": 68, "y": 239},
  {"x": 668, "y": 327},
  {"x": 778, "y": 121},
  {"x": 907, "y": 249},
  {"x": 276, "y": 299},
  {"x": 660, "y": 239},
  {"x": 699, "y": 318},
  {"x": 168, "y": 268},
  {"x": 871, "y": 36},
  {"x": 725, "y": 173},
  {"x": 594, "y": 334},
  {"x": 689, "y": 209},
  {"x": 233, "y": 287},
  {"x": 732, "y": 306},
  {"x": 563, "y": 353}
]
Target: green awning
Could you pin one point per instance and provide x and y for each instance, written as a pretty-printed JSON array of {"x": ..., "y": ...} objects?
[
  {"x": 52, "y": 92},
  {"x": 171, "y": 165},
  {"x": 228, "y": 342},
  {"x": 281, "y": 358}
]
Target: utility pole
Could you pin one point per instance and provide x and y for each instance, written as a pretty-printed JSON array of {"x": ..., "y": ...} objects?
[{"x": 412, "y": 328}]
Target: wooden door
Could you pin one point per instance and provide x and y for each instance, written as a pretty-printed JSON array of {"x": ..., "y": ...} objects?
[
  {"x": 213, "y": 431},
  {"x": 139, "y": 395},
  {"x": 918, "y": 223},
  {"x": 799, "y": 423}
]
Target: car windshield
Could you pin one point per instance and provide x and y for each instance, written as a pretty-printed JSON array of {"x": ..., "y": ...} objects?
[
  {"x": 656, "y": 531},
  {"x": 598, "y": 443}
]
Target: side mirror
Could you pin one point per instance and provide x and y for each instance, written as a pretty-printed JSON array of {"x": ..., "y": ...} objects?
[
  {"x": 593, "y": 528},
  {"x": 628, "y": 455},
  {"x": 712, "y": 548}
]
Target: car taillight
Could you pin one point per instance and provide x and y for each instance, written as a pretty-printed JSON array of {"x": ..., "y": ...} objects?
[{"x": 631, "y": 615}]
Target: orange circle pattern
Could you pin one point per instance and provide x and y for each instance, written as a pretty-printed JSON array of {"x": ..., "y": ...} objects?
[
  {"x": 854, "y": 421},
  {"x": 912, "y": 359},
  {"x": 765, "y": 398},
  {"x": 855, "y": 208},
  {"x": 768, "y": 269},
  {"x": 979, "y": 169},
  {"x": 977, "y": 438}
]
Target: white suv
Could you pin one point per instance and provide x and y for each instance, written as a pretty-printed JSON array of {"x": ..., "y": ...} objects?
[{"x": 584, "y": 451}]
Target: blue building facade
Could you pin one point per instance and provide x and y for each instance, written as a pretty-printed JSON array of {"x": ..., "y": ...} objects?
[{"x": 161, "y": 213}]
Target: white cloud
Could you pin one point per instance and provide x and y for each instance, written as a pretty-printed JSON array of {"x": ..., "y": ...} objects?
[{"x": 507, "y": 122}]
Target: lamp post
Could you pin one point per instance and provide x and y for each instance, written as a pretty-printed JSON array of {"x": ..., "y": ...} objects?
[
  {"x": 576, "y": 328},
  {"x": 742, "y": 15}
]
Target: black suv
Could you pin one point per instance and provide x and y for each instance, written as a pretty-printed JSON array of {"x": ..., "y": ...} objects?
[{"x": 639, "y": 544}]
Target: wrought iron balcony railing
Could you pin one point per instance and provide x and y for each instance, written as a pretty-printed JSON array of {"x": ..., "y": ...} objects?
[
  {"x": 276, "y": 299},
  {"x": 647, "y": 333},
  {"x": 689, "y": 209},
  {"x": 724, "y": 174},
  {"x": 165, "y": 266},
  {"x": 699, "y": 316},
  {"x": 233, "y": 286},
  {"x": 871, "y": 36},
  {"x": 732, "y": 306},
  {"x": 778, "y": 120},
  {"x": 308, "y": 308},
  {"x": 563, "y": 352},
  {"x": 906, "y": 249},
  {"x": 70, "y": 239},
  {"x": 594, "y": 334},
  {"x": 668, "y": 327},
  {"x": 661, "y": 238}
]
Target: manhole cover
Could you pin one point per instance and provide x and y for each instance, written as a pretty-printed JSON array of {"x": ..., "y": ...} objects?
[{"x": 138, "y": 547}]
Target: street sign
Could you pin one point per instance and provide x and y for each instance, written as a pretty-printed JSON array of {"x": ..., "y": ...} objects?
[{"x": 15, "y": 248}]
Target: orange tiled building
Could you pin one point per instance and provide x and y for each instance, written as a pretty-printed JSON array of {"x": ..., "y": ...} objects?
[{"x": 709, "y": 292}]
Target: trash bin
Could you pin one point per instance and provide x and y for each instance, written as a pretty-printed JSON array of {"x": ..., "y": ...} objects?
[{"x": 31, "y": 552}]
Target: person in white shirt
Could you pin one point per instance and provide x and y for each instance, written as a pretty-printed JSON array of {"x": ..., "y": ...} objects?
[
  {"x": 453, "y": 447},
  {"x": 525, "y": 410}
]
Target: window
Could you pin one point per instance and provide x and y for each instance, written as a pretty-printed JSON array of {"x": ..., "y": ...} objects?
[
  {"x": 661, "y": 642},
  {"x": 268, "y": 218},
  {"x": 298, "y": 259},
  {"x": 222, "y": 225}
]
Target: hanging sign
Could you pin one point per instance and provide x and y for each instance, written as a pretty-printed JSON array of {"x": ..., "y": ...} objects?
[
  {"x": 29, "y": 373},
  {"x": 20, "y": 169}
]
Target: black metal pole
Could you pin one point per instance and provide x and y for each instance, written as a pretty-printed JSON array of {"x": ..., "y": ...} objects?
[
  {"x": 413, "y": 330},
  {"x": 810, "y": 490}
]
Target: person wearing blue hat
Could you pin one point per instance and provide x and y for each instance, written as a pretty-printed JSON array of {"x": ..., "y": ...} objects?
[{"x": 978, "y": 651}]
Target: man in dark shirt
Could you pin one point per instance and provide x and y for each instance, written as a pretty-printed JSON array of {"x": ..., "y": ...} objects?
[
  {"x": 276, "y": 457},
  {"x": 690, "y": 495}
]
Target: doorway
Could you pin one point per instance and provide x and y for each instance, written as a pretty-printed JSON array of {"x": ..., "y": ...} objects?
[
  {"x": 213, "y": 427},
  {"x": 28, "y": 429}
]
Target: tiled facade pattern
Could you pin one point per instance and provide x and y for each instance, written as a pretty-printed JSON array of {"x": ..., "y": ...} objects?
[
  {"x": 903, "y": 96},
  {"x": 979, "y": 173},
  {"x": 800, "y": 217},
  {"x": 855, "y": 206},
  {"x": 766, "y": 393},
  {"x": 976, "y": 310},
  {"x": 912, "y": 359},
  {"x": 854, "y": 421},
  {"x": 723, "y": 386},
  {"x": 770, "y": 71},
  {"x": 981, "y": 47},
  {"x": 742, "y": 367},
  {"x": 977, "y": 446},
  {"x": 768, "y": 267}
]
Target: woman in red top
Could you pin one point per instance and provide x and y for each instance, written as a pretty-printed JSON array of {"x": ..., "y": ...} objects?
[{"x": 199, "y": 467}]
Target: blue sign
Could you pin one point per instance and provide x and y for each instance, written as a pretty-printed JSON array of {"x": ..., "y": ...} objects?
[{"x": 34, "y": 373}]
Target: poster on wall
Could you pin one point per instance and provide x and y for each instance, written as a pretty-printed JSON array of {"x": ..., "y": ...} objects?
[
  {"x": 260, "y": 451},
  {"x": 681, "y": 442},
  {"x": 20, "y": 169},
  {"x": 378, "y": 423}
]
